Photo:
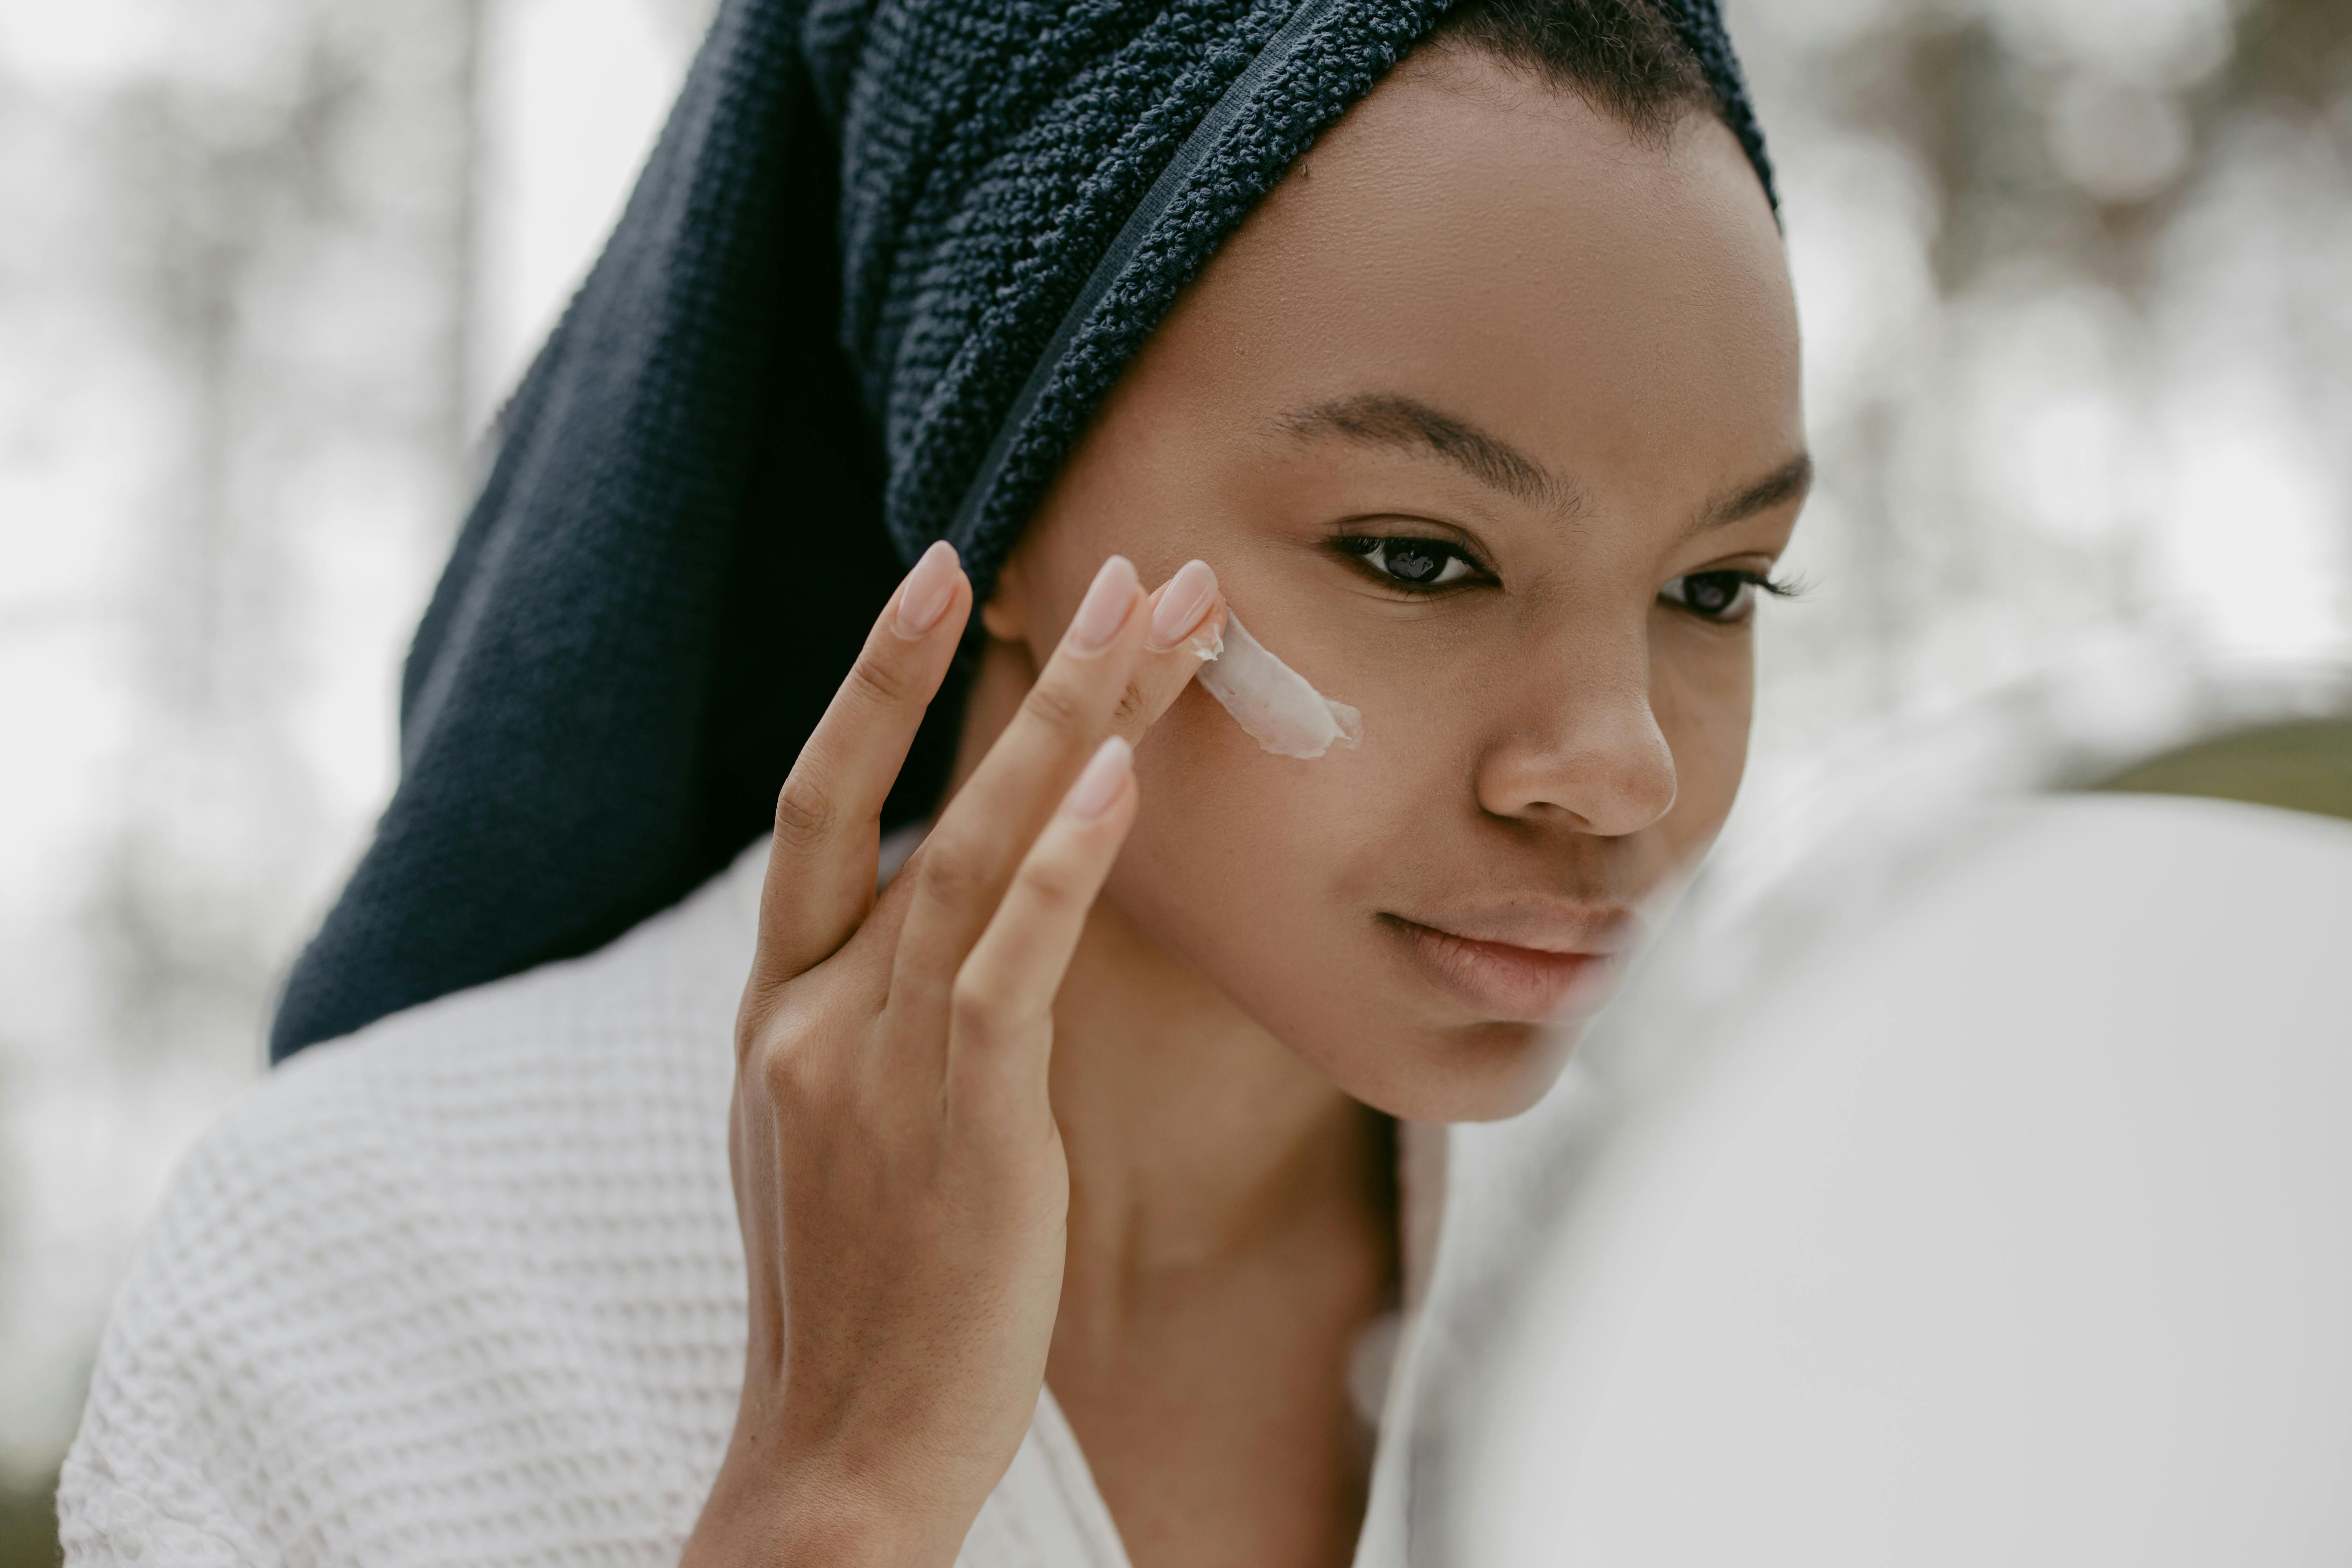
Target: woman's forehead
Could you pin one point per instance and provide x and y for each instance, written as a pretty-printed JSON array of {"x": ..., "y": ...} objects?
[{"x": 1509, "y": 282}]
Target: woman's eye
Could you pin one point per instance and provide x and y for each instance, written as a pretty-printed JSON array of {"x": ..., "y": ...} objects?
[
  {"x": 1723, "y": 596},
  {"x": 1412, "y": 562}
]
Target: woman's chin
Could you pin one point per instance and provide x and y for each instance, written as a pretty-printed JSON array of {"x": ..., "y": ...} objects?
[{"x": 1481, "y": 1072}]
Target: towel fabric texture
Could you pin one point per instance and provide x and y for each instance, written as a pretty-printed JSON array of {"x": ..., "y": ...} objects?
[{"x": 884, "y": 263}]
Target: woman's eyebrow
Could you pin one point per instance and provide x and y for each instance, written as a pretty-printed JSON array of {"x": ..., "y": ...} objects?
[
  {"x": 1388, "y": 419},
  {"x": 1788, "y": 482},
  {"x": 1385, "y": 419}
]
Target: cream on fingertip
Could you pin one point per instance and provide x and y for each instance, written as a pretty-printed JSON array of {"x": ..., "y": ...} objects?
[
  {"x": 1182, "y": 604},
  {"x": 1105, "y": 775}
]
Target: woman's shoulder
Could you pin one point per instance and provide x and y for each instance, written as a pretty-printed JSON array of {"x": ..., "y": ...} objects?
[
  {"x": 498, "y": 1224},
  {"x": 538, "y": 1067}
]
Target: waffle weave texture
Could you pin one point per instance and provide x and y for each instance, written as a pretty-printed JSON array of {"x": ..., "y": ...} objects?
[{"x": 467, "y": 1289}]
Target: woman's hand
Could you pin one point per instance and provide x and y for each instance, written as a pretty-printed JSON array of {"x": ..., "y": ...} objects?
[{"x": 899, "y": 1176}]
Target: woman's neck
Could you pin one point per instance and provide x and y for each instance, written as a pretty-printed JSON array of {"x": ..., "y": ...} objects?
[{"x": 1194, "y": 1138}]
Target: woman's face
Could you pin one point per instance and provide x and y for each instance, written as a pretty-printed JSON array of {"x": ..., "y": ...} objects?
[{"x": 1486, "y": 419}]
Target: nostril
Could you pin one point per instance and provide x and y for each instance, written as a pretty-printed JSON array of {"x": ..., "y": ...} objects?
[{"x": 1607, "y": 785}]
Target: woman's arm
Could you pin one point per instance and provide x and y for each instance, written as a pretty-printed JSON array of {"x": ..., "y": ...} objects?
[{"x": 899, "y": 1176}]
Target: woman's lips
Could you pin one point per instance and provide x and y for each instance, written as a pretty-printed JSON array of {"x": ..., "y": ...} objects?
[{"x": 1568, "y": 977}]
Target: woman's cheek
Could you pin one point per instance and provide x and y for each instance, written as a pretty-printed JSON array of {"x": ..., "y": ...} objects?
[
  {"x": 1233, "y": 866},
  {"x": 1263, "y": 875},
  {"x": 1217, "y": 834}
]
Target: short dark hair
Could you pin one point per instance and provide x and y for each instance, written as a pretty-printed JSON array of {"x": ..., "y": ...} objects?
[{"x": 1627, "y": 58}]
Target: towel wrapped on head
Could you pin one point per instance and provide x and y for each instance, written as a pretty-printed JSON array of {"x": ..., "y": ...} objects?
[{"x": 883, "y": 265}]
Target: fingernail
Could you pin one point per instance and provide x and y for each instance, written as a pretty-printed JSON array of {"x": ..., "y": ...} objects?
[
  {"x": 924, "y": 597},
  {"x": 1100, "y": 784},
  {"x": 1182, "y": 604},
  {"x": 1105, "y": 608}
]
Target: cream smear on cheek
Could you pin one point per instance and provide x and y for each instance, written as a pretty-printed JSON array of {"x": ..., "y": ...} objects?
[{"x": 1276, "y": 704}]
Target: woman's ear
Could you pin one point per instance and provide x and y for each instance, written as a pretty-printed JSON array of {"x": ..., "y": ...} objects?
[{"x": 1005, "y": 616}]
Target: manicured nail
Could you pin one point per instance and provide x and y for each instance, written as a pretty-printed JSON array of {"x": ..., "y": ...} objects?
[
  {"x": 929, "y": 588},
  {"x": 1182, "y": 604},
  {"x": 1105, "y": 608},
  {"x": 1100, "y": 784}
]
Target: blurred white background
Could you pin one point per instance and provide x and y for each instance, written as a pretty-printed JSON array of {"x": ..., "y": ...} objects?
[{"x": 2073, "y": 284}]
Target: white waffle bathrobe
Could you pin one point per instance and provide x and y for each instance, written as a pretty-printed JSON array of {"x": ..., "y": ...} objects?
[{"x": 467, "y": 1287}]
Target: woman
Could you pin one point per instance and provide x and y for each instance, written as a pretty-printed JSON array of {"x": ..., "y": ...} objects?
[{"x": 1058, "y": 1211}]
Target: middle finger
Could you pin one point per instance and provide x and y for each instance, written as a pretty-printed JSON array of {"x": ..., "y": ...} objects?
[{"x": 969, "y": 858}]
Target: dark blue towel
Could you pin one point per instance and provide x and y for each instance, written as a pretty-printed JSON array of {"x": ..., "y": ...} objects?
[{"x": 884, "y": 263}]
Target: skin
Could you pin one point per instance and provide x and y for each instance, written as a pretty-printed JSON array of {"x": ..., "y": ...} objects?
[{"x": 1093, "y": 1095}]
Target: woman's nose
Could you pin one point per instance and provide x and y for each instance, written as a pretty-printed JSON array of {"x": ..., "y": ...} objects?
[{"x": 1587, "y": 749}]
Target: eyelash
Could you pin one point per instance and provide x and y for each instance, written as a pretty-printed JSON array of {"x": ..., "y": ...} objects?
[
  {"x": 1372, "y": 552},
  {"x": 1741, "y": 604}
]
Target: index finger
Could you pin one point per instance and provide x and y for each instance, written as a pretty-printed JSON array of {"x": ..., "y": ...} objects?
[
  {"x": 1188, "y": 626},
  {"x": 821, "y": 863}
]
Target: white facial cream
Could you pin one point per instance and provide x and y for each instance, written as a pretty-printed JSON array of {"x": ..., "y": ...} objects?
[{"x": 1273, "y": 702}]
